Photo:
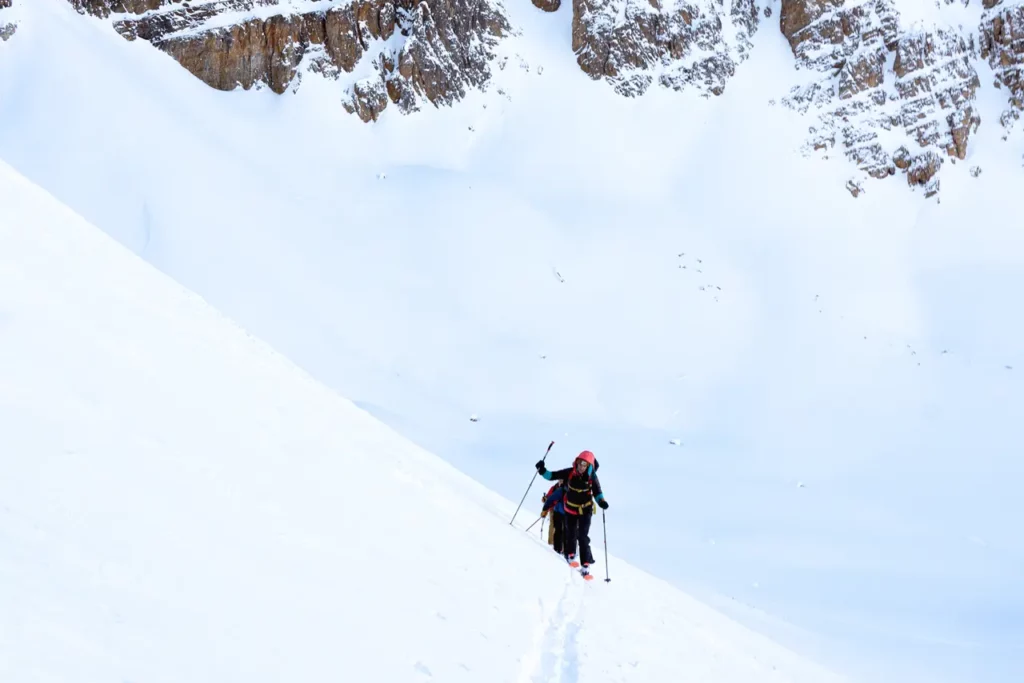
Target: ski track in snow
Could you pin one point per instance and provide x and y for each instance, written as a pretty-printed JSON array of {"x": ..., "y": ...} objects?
[{"x": 555, "y": 658}]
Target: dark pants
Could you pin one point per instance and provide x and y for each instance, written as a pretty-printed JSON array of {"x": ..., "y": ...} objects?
[
  {"x": 577, "y": 532},
  {"x": 557, "y": 531}
]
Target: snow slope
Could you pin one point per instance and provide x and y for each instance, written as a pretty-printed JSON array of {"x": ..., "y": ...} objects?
[
  {"x": 530, "y": 258},
  {"x": 180, "y": 502}
]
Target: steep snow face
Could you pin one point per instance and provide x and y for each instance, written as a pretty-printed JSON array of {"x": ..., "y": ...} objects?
[
  {"x": 841, "y": 376},
  {"x": 180, "y": 502}
]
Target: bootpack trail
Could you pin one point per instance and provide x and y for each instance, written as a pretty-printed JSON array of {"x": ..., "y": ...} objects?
[{"x": 554, "y": 654}]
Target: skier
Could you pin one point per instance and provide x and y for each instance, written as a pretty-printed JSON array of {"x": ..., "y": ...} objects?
[
  {"x": 582, "y": 488},
  {"x": 554, "y": 502}
]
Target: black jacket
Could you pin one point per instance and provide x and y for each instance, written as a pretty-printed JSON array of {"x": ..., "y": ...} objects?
[{"x": 580, "y": 490}]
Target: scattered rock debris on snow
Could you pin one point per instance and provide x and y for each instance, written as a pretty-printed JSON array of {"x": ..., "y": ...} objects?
[{"x": 696, "y": 266}]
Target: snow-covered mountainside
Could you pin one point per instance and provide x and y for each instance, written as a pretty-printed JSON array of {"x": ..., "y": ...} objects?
[
  {"x": 806, "y": 406},
  {"x": 894, "y": 88},
  {"x": 180, "y": 502}
]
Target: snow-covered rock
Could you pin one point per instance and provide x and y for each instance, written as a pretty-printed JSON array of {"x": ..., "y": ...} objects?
[
  {"x": 893, "y": 96},
  {"x": 679, "y": 44},
  {"x": 1002, "y": 44},
  {"x": 7, "y": 28}
]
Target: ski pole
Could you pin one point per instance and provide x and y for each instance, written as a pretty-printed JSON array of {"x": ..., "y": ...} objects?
[
  {"x": 531, "y": 484},
  {"x": 604, "y": 528},
  {"x": 534, "y": 522}
]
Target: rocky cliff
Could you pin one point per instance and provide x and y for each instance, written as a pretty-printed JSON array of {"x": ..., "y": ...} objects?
[
  {"x": 680, "y": 44},
  {"x": 894, "y": 98},
  {"x": 1002, "y": 45},
  {"x": 417, "y": 51}
]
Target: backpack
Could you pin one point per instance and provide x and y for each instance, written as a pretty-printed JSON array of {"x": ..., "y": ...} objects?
[{"x": 554, "y": 497}]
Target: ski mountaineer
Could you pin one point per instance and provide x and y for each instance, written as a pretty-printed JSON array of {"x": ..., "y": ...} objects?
[
  {"x": 582, "y": 487},
  {"x": 554, "y": 502}
]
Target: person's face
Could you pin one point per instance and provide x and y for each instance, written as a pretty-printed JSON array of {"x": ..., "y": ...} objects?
[{"x": 581, "y": 466}]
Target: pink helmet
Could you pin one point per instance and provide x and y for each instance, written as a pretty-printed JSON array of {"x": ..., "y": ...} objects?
[{"x": 586, "y": 456}]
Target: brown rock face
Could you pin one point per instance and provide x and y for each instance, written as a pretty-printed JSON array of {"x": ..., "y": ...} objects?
[
  {"x": 547, "y": 5},
  {"x": 937, "y": 85},
  {"x": 826, "y": 33},
  {"x": 445, "y": 46},
  {"x": 629, "y": 42},
  {"x": 1002, "y": 44},
  {"x": 448, "y": 48},
  {"x": 922, "y": 172},
  {"x": 925, "y": 98},
  {"x": 264, "y": 51}
]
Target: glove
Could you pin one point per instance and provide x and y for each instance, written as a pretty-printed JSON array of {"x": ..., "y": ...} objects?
[
  {"x": 603, "y": 503},
  {"x": 540, "y": 466},
  {"x": 543, "y": 513}
]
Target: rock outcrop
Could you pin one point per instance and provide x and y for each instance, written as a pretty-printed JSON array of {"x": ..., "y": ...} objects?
[
  {"x": 446, "y": 48},
  {"x": 1002, "y": 45},
  {"x": 680, "y": 43},
  {"x": 547, "y": 5},
  {"x": 7, "y": 28},
  {"x": 884, "y": 90},
  {"x": 418, "y": 50}
]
